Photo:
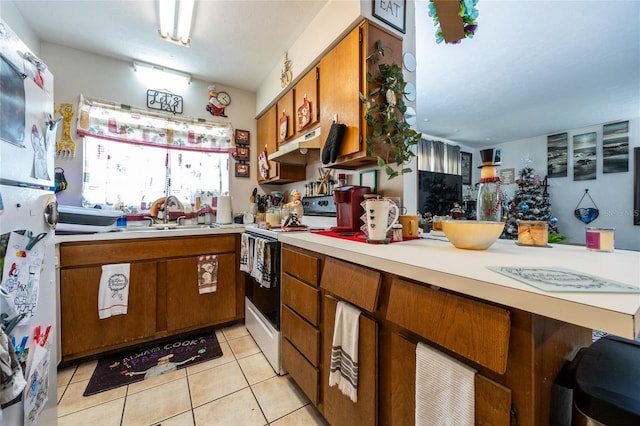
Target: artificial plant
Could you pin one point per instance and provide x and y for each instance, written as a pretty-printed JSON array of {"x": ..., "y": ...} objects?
[{"x": 385, "y": 118}]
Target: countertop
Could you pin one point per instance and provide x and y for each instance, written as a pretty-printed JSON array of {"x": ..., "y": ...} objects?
[
  {"x": 144, "y": 232},
  {"x": 437, "y": 262}
]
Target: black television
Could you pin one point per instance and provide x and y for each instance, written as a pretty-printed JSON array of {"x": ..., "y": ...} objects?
[{"x": 438, "y": 191}]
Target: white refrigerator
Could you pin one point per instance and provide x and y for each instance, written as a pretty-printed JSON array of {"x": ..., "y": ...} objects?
[{"x": 27, "y": 146}]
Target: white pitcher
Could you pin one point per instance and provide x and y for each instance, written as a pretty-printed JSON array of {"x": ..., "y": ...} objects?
[{"x": 378, "y": 219}]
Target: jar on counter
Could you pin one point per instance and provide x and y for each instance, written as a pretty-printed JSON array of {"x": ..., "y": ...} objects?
[
  {"x": 533, "y": 233},
  {"x": 600, "y": 239}
]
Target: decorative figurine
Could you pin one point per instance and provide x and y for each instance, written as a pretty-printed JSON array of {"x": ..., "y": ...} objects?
[{"x": 218, "y": 101}]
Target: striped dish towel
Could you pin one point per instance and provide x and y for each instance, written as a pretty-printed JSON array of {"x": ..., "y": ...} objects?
[
  {"x": 344, "y": 351},
  {"x": 445, "y": 389}
]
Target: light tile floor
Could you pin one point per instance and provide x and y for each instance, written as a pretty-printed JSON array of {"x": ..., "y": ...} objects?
[{"x": 239, "y": 388}]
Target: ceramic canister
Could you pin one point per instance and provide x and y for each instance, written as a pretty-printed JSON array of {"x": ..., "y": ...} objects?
[{"x": 378, "y": 218}]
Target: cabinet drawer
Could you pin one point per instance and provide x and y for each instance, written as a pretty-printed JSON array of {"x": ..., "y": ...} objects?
[
  {"x": 474, "y": 330},
  {"x": 304, "y": 374},
  {"x": 353, "y": 283},
  {"x": 300, "y": 265},
  {"x": 119, "y": 251},
  {"x": 302, "y": 298},
  {"x": 301, "y": 334}
]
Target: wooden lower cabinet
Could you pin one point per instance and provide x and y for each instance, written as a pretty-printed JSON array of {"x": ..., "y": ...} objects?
[
  {"x": 186, "y": 308},
  {"x": 163, "y": 291},
  {"x": 300, "y": 319},
  {"x": 337, "y": 408},
  {"x": 517, "y": 355},
  {"x": 82, "y": 332}
]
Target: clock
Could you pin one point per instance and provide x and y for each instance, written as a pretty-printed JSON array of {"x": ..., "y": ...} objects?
[{"x": 224, "y": 99}]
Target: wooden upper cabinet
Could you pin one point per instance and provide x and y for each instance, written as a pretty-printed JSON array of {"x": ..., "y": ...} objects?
[
  {"x": 339, "y": 90},
  {"x": 343, "y": 76},
  {"x": 307, "y": 88},
  {"x": 285, "y": 110},
  {"x": 267, "y": 139}
]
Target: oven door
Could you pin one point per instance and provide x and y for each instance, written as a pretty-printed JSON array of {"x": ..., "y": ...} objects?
[{"x": 266, "y": 299}]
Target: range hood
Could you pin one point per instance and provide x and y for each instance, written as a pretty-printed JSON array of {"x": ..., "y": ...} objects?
[{"x": 297, "y": 150}]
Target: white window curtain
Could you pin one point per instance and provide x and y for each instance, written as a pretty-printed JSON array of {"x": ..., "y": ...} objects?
[
  {"x": 123, "y": 123},
  {"x": 439, "y": 157}
]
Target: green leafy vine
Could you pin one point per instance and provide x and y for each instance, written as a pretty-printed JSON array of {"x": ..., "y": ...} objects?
[{"x": 384, "y": 115}]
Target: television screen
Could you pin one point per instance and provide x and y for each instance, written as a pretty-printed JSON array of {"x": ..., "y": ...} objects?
[{"x": 437, "y": 192}]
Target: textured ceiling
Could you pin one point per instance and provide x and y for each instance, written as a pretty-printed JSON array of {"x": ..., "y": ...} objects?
[{"x": 533, "y": 68}]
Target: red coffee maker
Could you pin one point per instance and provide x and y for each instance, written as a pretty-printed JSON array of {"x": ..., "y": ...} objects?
[{"x": 348, "y": 209}]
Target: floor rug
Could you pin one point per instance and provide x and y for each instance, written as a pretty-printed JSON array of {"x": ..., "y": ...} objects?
[{"x": 151, "y": 361}]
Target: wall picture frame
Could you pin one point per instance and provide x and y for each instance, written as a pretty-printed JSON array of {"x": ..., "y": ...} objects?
[
  {"x": 391, "y": 12},
  {"x": 465, "y": 167},
  {"x": 242, "y": 137},
  {"x": 370, "y": 178},
  {"x": 242, "y": 170},
  {"x": 242, "y": 153}
]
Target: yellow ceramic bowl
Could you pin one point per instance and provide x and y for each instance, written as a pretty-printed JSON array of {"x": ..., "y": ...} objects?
[{"x": 472, "y": 234}]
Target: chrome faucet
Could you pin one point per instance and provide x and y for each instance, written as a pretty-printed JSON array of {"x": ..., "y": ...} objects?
[{"x": 165, "y": 219}]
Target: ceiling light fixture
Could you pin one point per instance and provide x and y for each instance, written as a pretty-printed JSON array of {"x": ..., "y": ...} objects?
[
  {"x": 175, "y": 20},
  {"x": 154, "y": 74}
]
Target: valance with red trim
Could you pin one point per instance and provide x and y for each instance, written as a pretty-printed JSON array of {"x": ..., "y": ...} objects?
[{"x": 122, "y": 123}]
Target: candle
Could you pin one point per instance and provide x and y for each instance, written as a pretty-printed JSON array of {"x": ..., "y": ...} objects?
[{"x": 600, "y": 239}]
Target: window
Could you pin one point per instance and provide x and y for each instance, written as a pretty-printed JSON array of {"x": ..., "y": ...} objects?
[{"x": 137, "y": 175}]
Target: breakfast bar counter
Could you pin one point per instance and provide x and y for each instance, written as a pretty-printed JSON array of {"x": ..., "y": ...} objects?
[{"x": 436, "y": 262}]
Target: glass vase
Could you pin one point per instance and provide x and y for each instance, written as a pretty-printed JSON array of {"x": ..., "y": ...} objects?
[{"x": 489, "y": 203}]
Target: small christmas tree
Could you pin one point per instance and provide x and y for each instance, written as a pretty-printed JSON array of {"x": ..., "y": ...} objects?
[{"x": 530, "y": 202}]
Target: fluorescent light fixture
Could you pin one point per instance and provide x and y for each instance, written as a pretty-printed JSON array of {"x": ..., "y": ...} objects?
[
  {"x": 157, "y": 75},
  {"x": 175, "y": 20}
]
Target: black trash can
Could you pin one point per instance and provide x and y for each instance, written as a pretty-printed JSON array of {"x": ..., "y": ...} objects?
[{"x": 607, "y": 382}]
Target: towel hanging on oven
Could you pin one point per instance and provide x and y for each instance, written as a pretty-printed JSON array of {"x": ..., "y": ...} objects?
[{"x": 262, "y": 263}]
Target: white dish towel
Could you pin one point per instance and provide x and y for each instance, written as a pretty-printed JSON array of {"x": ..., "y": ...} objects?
[
  {"x": 344, "y": 351},
  {"x": 444, "y": 389},
  {"x": 113, "y": 295}
]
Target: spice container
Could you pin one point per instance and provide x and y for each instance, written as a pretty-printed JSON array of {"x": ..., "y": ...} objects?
[
  {"x": 396, "y": 234},
  {"x": 533, "y": 233},
  {"x": 600, "y": 239}
]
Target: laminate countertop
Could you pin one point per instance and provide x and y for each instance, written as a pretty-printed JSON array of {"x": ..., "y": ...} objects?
[
  {"x": 438, "y": 263},
  {"x": 147, "y": 232}
]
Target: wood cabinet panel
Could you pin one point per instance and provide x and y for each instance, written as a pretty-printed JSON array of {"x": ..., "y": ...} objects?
[
  {"x": 186, "y": 308},
  {"x": 83, "y": 332},
  {"x": 363, "y": 287},
  {"x": 268, "y": 140},
  {"x": 402, "y": 398},
  {"x": 339, "y": 89},
  {"x": 307, "y": 87},
  {"x": 302, "y": 266},
  {"x": 474, "y": 330},
  {"x": 338, "y": 409},
  {"x": 493, "y": 403},
  {"x": 285, "y": 109},
  {"x": 304, "y": 374},
  {"x": 301, "y": 334},
  {"x": 302, "y": 298},
  {"x": 121, "y": 251}
]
